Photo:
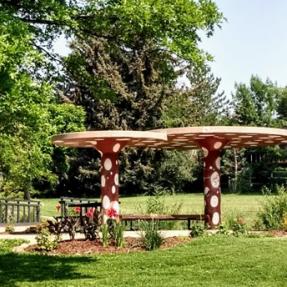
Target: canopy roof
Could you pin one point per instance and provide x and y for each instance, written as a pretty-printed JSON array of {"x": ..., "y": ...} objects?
[
  {"x": 231, "y": 136},
  {"x": 178, "y": 138},
  {"x": 126, "y": 138}
]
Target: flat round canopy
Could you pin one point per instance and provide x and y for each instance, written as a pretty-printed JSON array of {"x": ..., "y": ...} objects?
[
  {"x": 127, "y": 138},
  {"x": 231, "y": 136}
]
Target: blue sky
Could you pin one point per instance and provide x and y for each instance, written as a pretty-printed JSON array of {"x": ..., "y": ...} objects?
[{"x": 252, "y": 41}]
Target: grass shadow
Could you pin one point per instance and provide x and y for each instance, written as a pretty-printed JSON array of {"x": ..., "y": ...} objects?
[{"x": 16, "y": 268}]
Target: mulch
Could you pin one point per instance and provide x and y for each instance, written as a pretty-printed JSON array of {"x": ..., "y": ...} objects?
[{"x": 81, "y": 247}]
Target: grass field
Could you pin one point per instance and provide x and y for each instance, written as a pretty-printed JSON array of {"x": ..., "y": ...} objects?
[
  {"x": 232, "y": 204},
  {"x": 208, "y": 261}
]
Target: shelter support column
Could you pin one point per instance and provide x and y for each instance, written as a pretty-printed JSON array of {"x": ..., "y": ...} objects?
[
  {"x": 211, "y": 179},
  {"x": 110, "y": 186}
]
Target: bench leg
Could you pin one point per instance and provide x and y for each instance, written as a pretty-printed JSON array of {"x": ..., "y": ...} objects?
[{"x": 188, "y": 224}]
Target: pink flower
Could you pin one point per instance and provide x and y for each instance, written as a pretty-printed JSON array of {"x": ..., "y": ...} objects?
[
  {"x": 58, "y": 207},
  {"x": 111, "y": 213},
  {"x": 77, "y": 209},
  {"x": 90, "y": 212}
]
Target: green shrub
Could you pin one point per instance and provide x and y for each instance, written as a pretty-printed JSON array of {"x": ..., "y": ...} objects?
[
  {"x": 116, "y": 232},
  {"x": 274, "y": 210},
  {"x": 46, "y": 241},
  {"x": 151, "y": 237},
  {"x": 197, "y": 230},
  {"x": 236, "y": 224},
  {"x": 9, "y": 228},
  {"x": 223, "y": 230},
  {"x": 105, "y": 235},
  {"x": 155, "y": 204},
  {"x": 119, "y": 235}
]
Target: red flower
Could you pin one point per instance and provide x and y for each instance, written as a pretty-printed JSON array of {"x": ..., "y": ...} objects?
[
  {"x": 90, "y": 212},
  {"x": 111, "y": 213},
  {"x": 77, "y": 209},
  {"x": 58, "y": 206}
]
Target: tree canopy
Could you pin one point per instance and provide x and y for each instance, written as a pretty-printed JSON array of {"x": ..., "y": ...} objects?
[{"x": 30, "y": 112}]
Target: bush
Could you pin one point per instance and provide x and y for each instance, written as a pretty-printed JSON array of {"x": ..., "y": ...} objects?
[
  {"x": 197, "y": 230},
  {"x": 236, "y": 224},
  {"x": 151, "y": 237},
  {"x": 274, "y": 210},
  {"x": 46, "y": 241}
]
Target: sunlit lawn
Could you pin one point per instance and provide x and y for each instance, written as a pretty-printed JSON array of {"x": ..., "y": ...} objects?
[
  {"x": 209, "y": 261},
  {"x": 232, "y": 204}
]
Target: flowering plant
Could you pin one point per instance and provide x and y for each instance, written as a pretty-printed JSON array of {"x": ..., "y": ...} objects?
[
  {"x": 111, "y": 213},
  {"x": 90, "y": 212},
  {"x": 77, "y": 209}
]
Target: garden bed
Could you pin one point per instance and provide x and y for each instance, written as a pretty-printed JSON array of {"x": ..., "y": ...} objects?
[{"x": 80, "y": 247}]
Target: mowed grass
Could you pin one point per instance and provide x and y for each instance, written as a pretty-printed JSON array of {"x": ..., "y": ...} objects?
[
  {"x": 232, "y": 205},
  {"x": 208, "y": 261}
]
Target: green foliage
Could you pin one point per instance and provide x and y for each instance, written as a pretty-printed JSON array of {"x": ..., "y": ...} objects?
[
  {"x": 7, "y": 245},
  {"x": 235, "y": 223},
  {"x": 105, "y": 234},
  {"x": 116, "y": 232},
  {"x": 9, "y": 228},
  {"x": 156, "y": 204},
  {"x": 197, "y": 230},
  {"x": 151, "y": 237},
  {"x": 29, "y": 113},
  {"x": 197, "y": 105},
  {"x": 256, "y": 104},
  {"x": 274, "y": 210},
  {"x": 46, "y": 241}
]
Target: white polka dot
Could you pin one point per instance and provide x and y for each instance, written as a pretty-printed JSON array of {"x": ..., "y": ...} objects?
[
  {"x": 210, "y": 167},
  {"x": 117, "y": 162},
  {"x": 215, "y": 218},
  {"x": 217, "y": 163},
  {"x": 111, "y": 173},
  {"x": 116, "y": 179},
  {"x": 204, "y": 164},
  {"x": 206, "y": 190},
  {"x": 215, "y": 179},
  {"x": 108, "y": 164},
  {"x": 113, "y": 189},
  {"x": 116, "y": 147},
  {"x": 103, "y": 181},
  {"x": 106, "y": 202},
  {"x": 205, "y": 152},
  {"x": 217, "y": 145},
  {"x": 115, "y": 205},
  {"x": 213, "y": 201}
]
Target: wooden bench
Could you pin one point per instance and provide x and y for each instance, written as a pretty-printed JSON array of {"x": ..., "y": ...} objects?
[{"x": 161, "y": 217}]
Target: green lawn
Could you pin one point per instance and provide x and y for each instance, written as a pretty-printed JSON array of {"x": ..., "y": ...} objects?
[
  {"x": 232, "y": 204},
  {"x": 208, "y": 261}
]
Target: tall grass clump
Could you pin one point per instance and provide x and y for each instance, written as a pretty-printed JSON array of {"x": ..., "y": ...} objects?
[
  {"x": 273, "y": 214},
  {"x": 151, "y": 237},
  {"x": 156, "y": 204}
]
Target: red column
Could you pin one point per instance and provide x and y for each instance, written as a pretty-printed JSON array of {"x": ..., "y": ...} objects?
[
  {"x": 109, "y": 150},
  {"x": 212, "y": 189},
  {"x": 110, "y": 186}
]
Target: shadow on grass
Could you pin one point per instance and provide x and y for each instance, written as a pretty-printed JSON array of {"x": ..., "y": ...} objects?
[{"x": 15, "y": 268}]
